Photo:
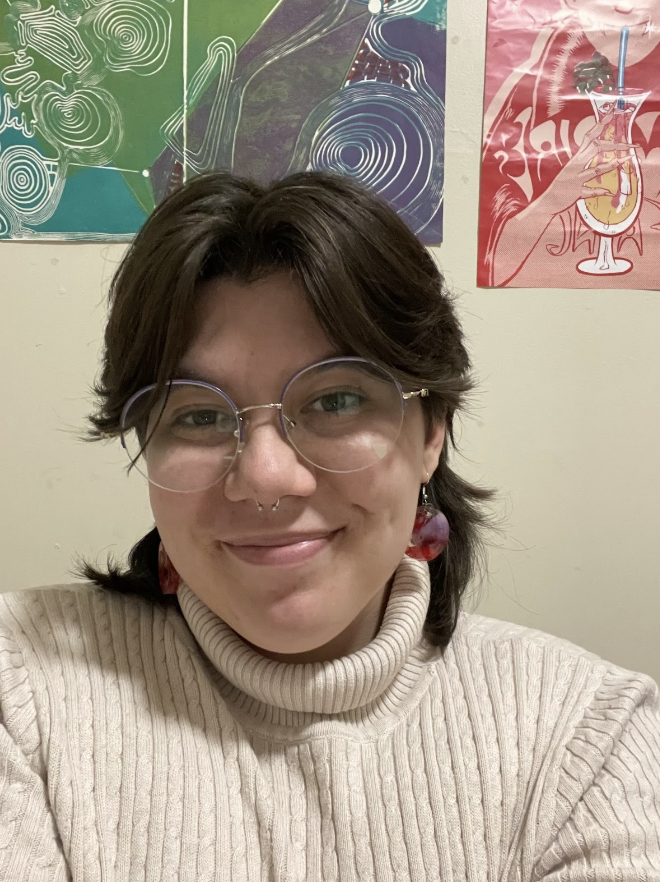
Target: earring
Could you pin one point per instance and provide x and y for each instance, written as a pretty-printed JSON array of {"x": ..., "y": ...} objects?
[
  {"x": 168, "y": 577},
  {"x": 430, "y": 533}
]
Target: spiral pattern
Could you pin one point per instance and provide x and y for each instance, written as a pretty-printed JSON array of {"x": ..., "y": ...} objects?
[
  {"x": 404, "y": 7},
  {"x": 86, "y": 124},
  {"x": 24, "y": 180},
  {"x": 388, "y": 138},
  {"x": 135, "y": 35},
  {"x": 5, "y": 227}
]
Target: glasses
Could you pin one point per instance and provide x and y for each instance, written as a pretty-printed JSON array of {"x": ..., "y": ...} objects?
[{"x": 340, "y": 415}]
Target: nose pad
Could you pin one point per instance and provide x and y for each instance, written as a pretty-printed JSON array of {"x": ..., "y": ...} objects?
[
  {"x": 267, "y": 465},
  {"x": 271, "y": 465},
  {"x": 246, "y": 428}
]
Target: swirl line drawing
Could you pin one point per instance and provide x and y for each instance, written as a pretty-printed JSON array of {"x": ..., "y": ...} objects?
[
  {"x": 86, "y": 125},
  {"x": 223, "y": 149},
  {"x": 20, "y": 77},
  {"x": 384, "y": 136},
  {"x": 12, "y": 118},
  {"x": 72, "y": 103},
  {"x": 135, "y": 35},
  {"x": 404, "y": 7},
  {"x": 220, "y": 62},
  {"x": 55, "y": 37},
  {"x": 30, "y": 184}
]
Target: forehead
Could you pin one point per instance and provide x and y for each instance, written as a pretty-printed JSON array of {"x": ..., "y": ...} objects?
[{"x": 248, "y": 335}]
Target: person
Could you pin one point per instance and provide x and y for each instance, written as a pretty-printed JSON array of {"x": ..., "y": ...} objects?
[
  {"x": 542, "y": 138},
  {"x": 280, "y": 684}
]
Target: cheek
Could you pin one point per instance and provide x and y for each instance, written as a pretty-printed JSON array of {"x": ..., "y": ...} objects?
[
  {"x": 382, "y": 500},
  {"x": 176, "y": 517}
]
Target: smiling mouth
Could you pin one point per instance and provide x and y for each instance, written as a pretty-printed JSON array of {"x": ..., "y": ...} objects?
[{"x": 281, "y": 550}]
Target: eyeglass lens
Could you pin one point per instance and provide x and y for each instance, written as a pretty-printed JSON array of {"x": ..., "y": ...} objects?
[{"x": 340, "y": 416}]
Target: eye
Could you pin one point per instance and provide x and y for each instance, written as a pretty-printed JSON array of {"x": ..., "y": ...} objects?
[
  {"x": 205, "y": 418},
  {"x": 199, "y": 418},
  {"x": 338, "y": 401}
]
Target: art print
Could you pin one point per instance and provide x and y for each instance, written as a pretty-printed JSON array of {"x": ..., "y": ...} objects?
[
  {"x": 108, "y": 105},
  {"x": 570, "y": 176}
]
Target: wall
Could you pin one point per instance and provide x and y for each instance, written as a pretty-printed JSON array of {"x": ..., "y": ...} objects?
[{"x": 565, "y": 424}]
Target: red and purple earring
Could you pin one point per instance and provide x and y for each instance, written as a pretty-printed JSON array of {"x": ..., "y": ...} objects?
[
  {"x": 168, "y": 577},
  {"x": 430, "y": 533}
]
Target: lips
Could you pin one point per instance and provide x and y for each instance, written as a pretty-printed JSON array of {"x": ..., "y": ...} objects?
[
  {"x": 280, "y": 549},
  {"x": 270, "y": 539}
]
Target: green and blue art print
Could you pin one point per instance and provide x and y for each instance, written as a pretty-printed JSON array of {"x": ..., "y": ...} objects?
[{"x": 106, "y": 106}]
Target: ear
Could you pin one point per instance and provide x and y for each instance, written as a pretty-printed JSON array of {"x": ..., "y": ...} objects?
[{"x": 435, "y": 440}]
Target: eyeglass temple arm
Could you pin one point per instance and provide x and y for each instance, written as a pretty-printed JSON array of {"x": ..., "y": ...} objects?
[{"x": 423, "y": 393}]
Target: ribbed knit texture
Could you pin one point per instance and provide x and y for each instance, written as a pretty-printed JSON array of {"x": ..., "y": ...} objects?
[{"x": 137, "y": 743}]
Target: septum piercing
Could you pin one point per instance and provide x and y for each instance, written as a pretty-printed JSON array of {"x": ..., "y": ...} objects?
[{"x": 272, "y": 508}]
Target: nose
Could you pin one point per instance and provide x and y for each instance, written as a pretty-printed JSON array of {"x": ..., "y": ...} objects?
[{"x": 267, "y": 468}]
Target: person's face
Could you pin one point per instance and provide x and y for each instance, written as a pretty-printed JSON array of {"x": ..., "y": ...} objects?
[
  {"x": 612, "y": 15},
  {"x": 250, "y": 340}
]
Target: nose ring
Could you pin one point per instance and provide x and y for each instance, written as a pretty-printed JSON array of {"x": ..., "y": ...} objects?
[{"x": 272, "y": 508}]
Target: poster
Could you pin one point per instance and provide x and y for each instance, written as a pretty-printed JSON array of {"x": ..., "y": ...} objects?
[
  {"x": 570, "y": 176},
  {"x": 108, "y": 105}
]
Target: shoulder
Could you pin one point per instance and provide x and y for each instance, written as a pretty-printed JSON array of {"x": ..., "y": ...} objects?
[
  {"x": 65, "y": 646},
  {"x": 33, "y": 616},
  {"x": 551, "y": 698},
  {"x": 477, "y": 630},
  {"x": 62, "y": 629},
  {"x": 499, "y": 649}
]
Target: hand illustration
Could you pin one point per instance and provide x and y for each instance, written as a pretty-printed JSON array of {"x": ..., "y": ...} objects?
[{"x": 581, "y": 177}]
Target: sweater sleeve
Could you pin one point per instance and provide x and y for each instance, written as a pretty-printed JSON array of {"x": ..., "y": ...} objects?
[
  {"x": 606, "y": 825},
  {"x": 30, "y": 848}
]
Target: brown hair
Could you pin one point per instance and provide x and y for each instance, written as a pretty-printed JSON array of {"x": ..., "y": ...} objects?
[{"x": 373, "y": 287}]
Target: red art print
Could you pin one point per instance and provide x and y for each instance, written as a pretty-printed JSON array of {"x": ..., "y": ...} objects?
[{"x": 570, "y": 176}]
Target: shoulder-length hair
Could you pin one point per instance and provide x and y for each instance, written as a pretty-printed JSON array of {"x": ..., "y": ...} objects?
[{"x": 374, "y": 289}]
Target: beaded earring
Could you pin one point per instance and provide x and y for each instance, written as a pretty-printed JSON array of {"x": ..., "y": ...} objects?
[
  {"x": 430, "y": 533},
  {"x": 168, "y": 577}
]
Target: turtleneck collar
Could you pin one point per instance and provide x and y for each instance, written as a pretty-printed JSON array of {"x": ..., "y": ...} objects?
[{"x": 334, "y": 687}]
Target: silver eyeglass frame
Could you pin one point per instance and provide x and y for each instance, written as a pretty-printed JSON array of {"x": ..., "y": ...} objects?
[{"x": 405, "y": 397}]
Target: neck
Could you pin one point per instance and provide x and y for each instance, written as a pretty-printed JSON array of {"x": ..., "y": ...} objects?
[
  {"x": 374, "y": 679},
  {"x": 641, "y": 42}
]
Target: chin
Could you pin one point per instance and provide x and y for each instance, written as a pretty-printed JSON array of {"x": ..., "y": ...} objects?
[
  {"x": 302, "y": 621},
  {"x": 294, "y": 631}
]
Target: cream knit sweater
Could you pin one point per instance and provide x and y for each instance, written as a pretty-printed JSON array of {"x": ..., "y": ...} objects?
[{"x": 141, "y": 744}]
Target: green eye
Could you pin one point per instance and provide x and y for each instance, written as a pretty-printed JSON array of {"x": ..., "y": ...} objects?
[
  {"x": 338, "y": 402},
  {"x": 200, "y": 418},
  {"x": 205, "y": 418}
]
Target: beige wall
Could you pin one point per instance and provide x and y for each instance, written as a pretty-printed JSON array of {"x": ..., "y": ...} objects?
[{"x": 566, "y": 423}]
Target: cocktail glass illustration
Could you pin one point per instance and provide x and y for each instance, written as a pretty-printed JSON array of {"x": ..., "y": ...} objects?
[{"x": 612, "y": 214}]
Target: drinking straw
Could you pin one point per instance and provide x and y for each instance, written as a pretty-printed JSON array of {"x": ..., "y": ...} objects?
[{"x": 623, "y": 47}]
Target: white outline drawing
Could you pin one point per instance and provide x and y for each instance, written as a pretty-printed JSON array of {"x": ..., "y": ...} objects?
[
  {"x": 135, "y": 35},
  {"x": 52, "y": 35},
  {"x": 398, "y": 152}
]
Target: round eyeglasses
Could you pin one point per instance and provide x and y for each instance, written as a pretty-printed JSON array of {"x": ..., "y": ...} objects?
[{"x": 340, "y": 414}]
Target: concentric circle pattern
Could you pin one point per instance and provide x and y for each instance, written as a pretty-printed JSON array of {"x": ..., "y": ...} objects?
[
  {"x": 387, "y": 137},
  {"x": 86, "y": 123},
  {"x": 24, "y": 180},
  {"x": 135, "y": 35}
]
